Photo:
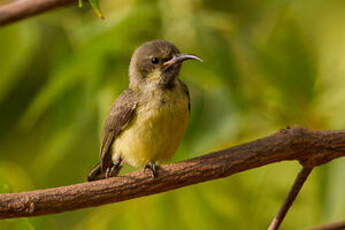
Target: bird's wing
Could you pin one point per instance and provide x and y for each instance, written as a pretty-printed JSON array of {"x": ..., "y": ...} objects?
[
  {"x": 185, "y": 88},
  {"x": 120, "y": 114}
]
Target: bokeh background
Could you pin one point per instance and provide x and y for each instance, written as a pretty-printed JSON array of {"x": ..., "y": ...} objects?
[{"x": 268, "y": 64}]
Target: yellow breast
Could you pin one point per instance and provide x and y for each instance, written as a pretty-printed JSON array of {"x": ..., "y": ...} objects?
[{"x": 157, "y": 128}]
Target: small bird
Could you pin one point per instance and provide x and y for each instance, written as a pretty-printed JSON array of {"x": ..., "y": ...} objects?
[{"x": 148, "y": 120}]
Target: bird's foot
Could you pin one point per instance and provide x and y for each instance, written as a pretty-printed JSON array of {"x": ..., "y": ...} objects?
[
  {"x": 153, "y": 167},
  {"x": 114, "y": 169}
]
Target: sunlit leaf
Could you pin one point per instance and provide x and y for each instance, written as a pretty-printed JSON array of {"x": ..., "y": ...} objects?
[{"x": 95, "y": 6}]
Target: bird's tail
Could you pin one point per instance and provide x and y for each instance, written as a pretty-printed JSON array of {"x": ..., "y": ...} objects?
[{"x": 96, "y": 173}]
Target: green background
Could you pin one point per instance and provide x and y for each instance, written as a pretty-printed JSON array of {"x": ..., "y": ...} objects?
[{"x": 267, "y": 64}]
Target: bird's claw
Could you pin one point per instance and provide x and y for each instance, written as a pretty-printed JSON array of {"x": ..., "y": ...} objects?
[{"x": 153, "y": 167}]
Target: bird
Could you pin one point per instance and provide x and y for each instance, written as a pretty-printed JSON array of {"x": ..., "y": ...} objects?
[{"x": 148, "y": 120}]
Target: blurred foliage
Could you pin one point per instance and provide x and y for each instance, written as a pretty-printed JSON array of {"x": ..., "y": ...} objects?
[
  {"x": 95, "y": 5},
  {"x": 268, "y": 64}
]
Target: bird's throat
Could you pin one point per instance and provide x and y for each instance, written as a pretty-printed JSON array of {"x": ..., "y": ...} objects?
[
  {"x": 168, "y": 78},
  {"x": 164, "y": 79}
]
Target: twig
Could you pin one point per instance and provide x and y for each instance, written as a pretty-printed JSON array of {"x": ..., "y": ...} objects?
[
  {"x": 21, "y": 9},
  {"x": 331, "y": 226},
  {"x": 297, "y": 186},
  {"x": 313, "y": 147}
]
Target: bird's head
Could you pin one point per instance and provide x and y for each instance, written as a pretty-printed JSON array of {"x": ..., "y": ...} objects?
[{"x": 158, "y": 63}]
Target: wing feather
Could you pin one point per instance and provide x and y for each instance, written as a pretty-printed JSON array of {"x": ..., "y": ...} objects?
[{"x": 119, "y": 116}]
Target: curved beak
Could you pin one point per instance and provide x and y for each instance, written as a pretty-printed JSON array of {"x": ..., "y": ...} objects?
[{"x": 181, "y": 58}]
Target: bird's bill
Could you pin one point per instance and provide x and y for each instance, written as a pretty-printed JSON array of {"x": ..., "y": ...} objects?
[{"x": 181, "y": 58}]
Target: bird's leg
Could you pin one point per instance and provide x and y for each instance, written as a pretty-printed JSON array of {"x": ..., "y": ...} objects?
[
  {"x": 152, "y": 166},
  {"x": 114, "y": 169}
]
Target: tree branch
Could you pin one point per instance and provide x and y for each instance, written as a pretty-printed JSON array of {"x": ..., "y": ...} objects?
[
  {"x": 332, "y": 226},
  {"x": 311, "y": 148},
  {"x": 21, "y": 9},
  {"x": 297, "y": 186}
]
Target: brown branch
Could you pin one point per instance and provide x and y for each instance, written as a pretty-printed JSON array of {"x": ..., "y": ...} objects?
[
  {"x": 312, "y": 148},
  {"x": 297, "y": 186},
  {"x": 331, "y": 226},
  {"x": 21, "y": 9}
]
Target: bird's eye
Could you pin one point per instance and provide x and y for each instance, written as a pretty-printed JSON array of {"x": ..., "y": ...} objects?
[{"x": 155, "y": 60}]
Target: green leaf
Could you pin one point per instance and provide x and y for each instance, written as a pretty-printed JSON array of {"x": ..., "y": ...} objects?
[{"x": 95, "y": 6}]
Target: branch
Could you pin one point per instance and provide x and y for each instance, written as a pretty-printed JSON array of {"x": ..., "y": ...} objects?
[
  {"x": 297, "y": 186},
  {"x": 21, "y": 9},
  {"x": 332, "y": 226},
  {"x": 311, "y": 148}
]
